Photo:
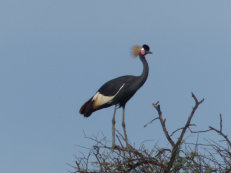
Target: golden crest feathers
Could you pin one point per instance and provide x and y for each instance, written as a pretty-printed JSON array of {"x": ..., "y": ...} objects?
[{"x": 136, "y": 50}]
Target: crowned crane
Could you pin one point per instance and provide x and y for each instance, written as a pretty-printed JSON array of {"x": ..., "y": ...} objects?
[{"x": 118, "y": 91}]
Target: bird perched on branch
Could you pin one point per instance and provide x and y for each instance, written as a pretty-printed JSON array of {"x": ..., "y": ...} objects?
[{"x": 118, "y": 91}]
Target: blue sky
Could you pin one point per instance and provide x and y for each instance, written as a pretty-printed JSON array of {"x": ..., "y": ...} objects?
[{"x": 55, "y": 54}]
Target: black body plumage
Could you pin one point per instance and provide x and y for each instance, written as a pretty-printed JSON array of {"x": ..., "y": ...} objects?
[{"x": 120, "y": 89}]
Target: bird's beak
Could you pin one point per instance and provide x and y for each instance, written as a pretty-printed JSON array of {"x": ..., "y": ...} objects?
[{"x": 148, "y": 52}]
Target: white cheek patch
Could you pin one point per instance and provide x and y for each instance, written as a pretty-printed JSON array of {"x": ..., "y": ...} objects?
[
  {"x": 142, "y": 51},
  {"x": 100, "y": 99}
]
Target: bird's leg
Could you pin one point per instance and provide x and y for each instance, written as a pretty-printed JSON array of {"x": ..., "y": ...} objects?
[
  {"x": 113, "y": 128},
  {"x": 124, "y": 128}
]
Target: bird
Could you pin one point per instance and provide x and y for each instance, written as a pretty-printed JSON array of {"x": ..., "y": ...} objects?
[{"x": 118, "y": 91}]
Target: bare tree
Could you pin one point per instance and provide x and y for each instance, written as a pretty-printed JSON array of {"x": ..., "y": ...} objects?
[{"x": 181, "y": 156}]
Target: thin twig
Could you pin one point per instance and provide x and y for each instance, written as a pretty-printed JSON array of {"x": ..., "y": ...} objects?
[
  {"x": 220, "y": 123},
  {"x": 222, "y": 134},
  {"x": 151, "y": 121},
  {"x": 162, "y": 121},
  {"x": 180, "y": 129},
  {"x": 200, "y": 131}
]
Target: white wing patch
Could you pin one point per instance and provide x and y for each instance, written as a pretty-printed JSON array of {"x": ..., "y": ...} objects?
[{"x": 100, "y": 99}]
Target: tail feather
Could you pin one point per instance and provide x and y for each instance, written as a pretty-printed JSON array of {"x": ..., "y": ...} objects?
[{"x": 87, "y": 108}]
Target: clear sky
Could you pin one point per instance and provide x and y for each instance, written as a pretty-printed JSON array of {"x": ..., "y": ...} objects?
[{"x": 55, "y": 54}]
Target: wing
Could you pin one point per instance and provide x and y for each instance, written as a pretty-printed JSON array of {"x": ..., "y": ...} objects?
[
  {"x": 111, "y": 87},
  {"x": 109, "y": 91},
  {"x": 105, "y": 95}
]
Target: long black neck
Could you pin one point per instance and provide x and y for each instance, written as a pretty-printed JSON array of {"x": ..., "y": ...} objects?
[{"x": 143, "y": 77}]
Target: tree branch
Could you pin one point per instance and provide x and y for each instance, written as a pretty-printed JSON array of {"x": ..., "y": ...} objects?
[
  {"x": 162, "y": 121},
  {"x": 178, "y": 143}
]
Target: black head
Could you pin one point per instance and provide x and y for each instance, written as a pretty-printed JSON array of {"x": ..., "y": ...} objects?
[
  {"x": 138, "y": 50},
  {"x": 146, "y": 49}
]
